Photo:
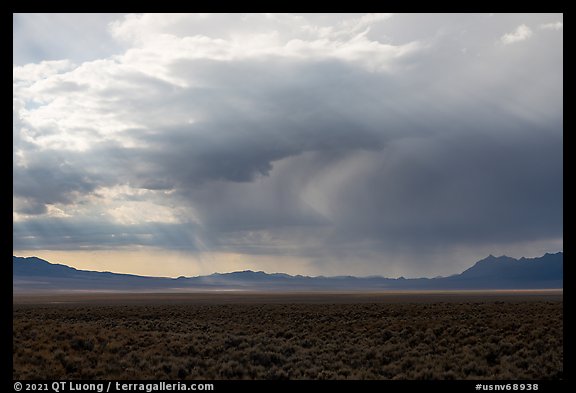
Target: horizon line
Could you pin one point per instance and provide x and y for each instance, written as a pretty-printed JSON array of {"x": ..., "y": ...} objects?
[{"x": 287, "y": 274}]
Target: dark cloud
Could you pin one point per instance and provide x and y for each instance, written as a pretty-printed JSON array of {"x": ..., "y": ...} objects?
[
  {"x": 466, "y": 189},
  {"x": 97, "y": 234},
  {"x": 335, "y": 156},
  {"x": 49, "y": 180}
]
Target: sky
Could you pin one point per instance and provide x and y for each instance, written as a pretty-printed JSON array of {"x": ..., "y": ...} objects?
[{"x": 320, "y": 144}]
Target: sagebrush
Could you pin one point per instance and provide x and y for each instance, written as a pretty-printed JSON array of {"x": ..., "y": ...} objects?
[{"x": 444, "y": 340}]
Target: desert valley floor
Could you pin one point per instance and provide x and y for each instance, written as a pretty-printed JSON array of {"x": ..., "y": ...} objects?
[{"x": 434, "y": 335}]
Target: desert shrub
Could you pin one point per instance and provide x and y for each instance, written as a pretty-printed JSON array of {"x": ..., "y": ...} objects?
[{"x": 442, "y": 340}]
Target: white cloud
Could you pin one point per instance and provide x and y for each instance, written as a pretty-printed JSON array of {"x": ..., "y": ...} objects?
[
  {"x": 521, "y": 33},
  {"x": 255, "y": 132},
  {"x": 552, "y": 26},
  {"x": 364, "y": 21},
  {"x": 32, "y": 72},
  {"x": 224, "y": 37},
  {"x": 75, "y": 106}
]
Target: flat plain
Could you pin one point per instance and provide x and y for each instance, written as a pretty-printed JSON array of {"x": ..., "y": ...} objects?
[{"x": 408, "y": 335}]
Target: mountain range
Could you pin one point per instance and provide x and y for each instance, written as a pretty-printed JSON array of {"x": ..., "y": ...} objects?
[{"x": 37, "y": 275}]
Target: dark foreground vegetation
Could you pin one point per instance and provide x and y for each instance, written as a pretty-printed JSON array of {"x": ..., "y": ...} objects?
[{"x": 465, "y": 339}]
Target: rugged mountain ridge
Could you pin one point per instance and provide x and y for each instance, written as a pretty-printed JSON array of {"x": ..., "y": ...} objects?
[{"x": 36, "y": 275}]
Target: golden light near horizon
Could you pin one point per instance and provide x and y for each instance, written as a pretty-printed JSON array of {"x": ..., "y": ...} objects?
[{"x": 162, "y": 263}]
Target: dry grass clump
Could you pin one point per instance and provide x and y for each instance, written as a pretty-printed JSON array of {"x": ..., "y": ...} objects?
[{"x": 468, "y": 340}]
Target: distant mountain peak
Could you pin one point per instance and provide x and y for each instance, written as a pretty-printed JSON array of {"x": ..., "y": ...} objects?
[
  {"x": 505, "y": 266},
  {"x": 503, "y": 272}
]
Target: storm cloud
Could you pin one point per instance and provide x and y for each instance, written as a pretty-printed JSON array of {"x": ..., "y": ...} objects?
[{"x": 362, "y": 144}]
